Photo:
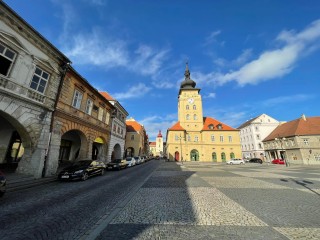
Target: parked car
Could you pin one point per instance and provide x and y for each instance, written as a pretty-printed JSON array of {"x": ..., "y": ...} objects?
[
  {"x": 278, "y": 161},
  {"x": 3, "y": 184},
  {"x": 117, "y": 164},
  {"x": 236, "y": 161},
  {"x": 130, "y": 161},
  {"x": 138, "y": 160},
  {"x": 255, "y": 160},
  {"x": 82, "y": 169}
]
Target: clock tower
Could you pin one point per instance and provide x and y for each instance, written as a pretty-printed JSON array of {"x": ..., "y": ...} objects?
[{"x": 190, "y": 113}]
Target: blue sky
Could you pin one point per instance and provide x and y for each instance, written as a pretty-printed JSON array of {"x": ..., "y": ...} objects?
[{"x": 248, "y": 57}]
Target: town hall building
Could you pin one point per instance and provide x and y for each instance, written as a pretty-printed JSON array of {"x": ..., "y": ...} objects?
[{"x": 195, "y": 137}]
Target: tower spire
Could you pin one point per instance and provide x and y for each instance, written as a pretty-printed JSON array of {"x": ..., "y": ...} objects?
[{"x": 188, "y": 82}]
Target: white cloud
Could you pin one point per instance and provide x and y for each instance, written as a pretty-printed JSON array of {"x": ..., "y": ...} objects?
[
  {"x": 278, "y": 62},
  {"x": 155, "y": 123},
  {"x": 287, "y": 99},
  {"x": 136, "y": 91},
  {"x": 210, "y": 95},
  {"x": 147, "y": 60},
  {"x": 212, "y": 38}
]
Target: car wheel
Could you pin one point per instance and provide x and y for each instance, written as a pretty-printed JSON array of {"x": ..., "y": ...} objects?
[
  {"x": 102, "y": 172},
  {"x": 84, "y": 176},
  {"x": 231, "y": 163},
  {"x": 241, "y": 163}
]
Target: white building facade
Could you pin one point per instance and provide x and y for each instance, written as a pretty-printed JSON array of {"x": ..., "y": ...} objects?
[
  {"x": 31, "y": 70},
  {"x": 253, "y": 132},
  {"x": 118, "y": 129}
]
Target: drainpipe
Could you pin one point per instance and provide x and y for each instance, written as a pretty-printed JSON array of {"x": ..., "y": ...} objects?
[{"x": 64, "y": 71}]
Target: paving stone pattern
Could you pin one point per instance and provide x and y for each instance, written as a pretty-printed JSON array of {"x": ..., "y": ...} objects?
[{"x": 211, "y": 201}]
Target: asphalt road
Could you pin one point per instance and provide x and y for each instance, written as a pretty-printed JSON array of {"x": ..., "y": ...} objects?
[{"x": 68, "y": 210}]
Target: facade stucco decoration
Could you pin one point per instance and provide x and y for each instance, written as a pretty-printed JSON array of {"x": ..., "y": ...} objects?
[
  {"x": 30, "y": 76},
  {"x": 198, "y": 138}
]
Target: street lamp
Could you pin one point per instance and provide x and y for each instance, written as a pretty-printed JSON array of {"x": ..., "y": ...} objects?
[{"x": 282, "y": 148}]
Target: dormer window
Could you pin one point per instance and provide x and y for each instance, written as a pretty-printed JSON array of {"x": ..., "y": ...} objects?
[
  {"x": 219, "y": 126},
  {"x": 211, "y": 126}
]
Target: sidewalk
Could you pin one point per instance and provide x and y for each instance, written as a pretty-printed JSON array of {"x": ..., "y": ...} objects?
[{"x": 16, "y": 181}]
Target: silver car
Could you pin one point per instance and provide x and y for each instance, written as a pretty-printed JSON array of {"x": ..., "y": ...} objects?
[
  {"x": 236, "y": 161},
  {"x": 130, "y": 161}
]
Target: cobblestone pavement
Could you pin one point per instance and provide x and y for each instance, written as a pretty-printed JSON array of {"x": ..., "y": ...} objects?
[
  {"x": 67, "y": 210},
  {"x": 207, "y": 201}
]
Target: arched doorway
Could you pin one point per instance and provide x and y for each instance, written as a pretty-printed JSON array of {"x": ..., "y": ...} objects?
[
  {"x": 116, "y": 152},
  {"x": 223, "y": 157},
  {"x": 72, "y": 147},
  {"x": 176, "y": 156},
  {"x": 130, "y": 152},
  {"x": 194, "y": 155},
  {"x": 97, "y": 148},
  {"x": 214, "y": 157},
  {"x": 12, "y": 139}
]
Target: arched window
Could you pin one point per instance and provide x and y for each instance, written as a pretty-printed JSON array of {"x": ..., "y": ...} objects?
[
  {"x": 187, "y": 107},
  {"x": 195, "y": 117},
  {"x": 223, "y": 157},
  {"x": 214, "y": 157},
  {"x": 232, "y": 155},
  {"x": 194, "y": 107},
  {"x": 188, "y": 117}
]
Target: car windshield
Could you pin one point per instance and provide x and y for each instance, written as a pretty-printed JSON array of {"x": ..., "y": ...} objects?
[
  {"x": 136, "y": 158},
  {"x": 82, "y": 163},
  {"x": 116, "y": 161},
  {"x": 129, "y": 159}
]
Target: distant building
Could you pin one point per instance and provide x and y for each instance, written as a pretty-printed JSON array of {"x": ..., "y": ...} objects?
[
  {"x": 252, "y": 133},
  {"x": 137, "y": 143},
  {"x": 198, "y": 138},
  {"x": 156, "y": 148},
  {"x": 297, "y": 141},
  {"x": 118, "y": 129}
]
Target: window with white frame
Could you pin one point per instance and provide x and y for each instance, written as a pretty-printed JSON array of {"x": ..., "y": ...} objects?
[
  {"x": 306, "y": 141},
  {"x": 189, "y": 138},
  {"x": 7, "y": 57},
  {"x": 100, "y": 114},
  {"x": 230, "y": 138},
  {"x": 212, "y": 138},
  {"x": 196, "y": 138},
  {"x": 187, "y": 107},
  {"x": 221, "y": 138},
  {"x": 258, "y": 136},
  {"x": 188, "y": 117},
  {"x": 107, "y": 118},
  {"x": 194, "y": 107},
  {"x": 39, "y": 80},
  {"x": 89, "y": 106},
  {"x": 195, "y": 117},
  {"x": 77, "y": 97}
]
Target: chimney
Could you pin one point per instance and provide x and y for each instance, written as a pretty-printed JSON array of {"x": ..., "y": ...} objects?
[{"x": 303, "y": 117}]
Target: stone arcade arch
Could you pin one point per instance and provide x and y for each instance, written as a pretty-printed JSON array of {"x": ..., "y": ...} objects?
[
  {"x": 116, "y": 152},
  {"x": 73, "y": 146},
  {"x": 130, "y": 152},
  {"x": 19, "y": 143}
]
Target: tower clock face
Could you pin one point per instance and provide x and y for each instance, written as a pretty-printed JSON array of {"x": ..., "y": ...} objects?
[{"x": 190, "y": 100}]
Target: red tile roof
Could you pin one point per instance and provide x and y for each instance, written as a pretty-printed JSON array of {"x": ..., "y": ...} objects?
[
  {"x": 176, "y": 127},
  {"x": 300, "y": 126},
  {"x": 152, "y": 144},
  {"x": 107, "y": 96},
  {"x": 133, "y": 126},
  {"x": 211, "y": 121}
]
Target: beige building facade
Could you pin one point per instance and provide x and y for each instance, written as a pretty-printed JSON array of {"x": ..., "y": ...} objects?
[
  {"x": 296, "y": 141},
  {"x": 137, "y": 143},
  {"x": 198, "y": 138}
]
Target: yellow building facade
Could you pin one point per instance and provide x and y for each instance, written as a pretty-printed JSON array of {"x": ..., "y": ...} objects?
[{"x": 198, "y": 138}]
